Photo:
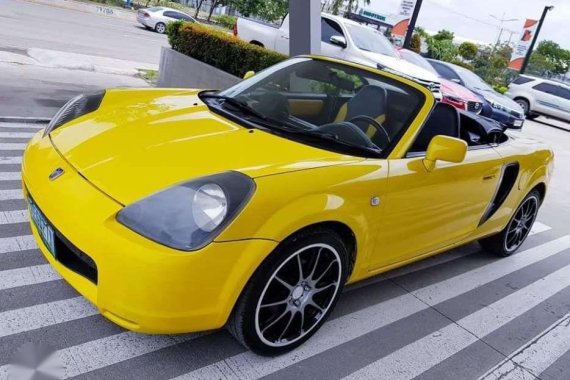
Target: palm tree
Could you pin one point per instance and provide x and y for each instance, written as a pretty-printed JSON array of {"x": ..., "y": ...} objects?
[{"x": 351, "y": 5}]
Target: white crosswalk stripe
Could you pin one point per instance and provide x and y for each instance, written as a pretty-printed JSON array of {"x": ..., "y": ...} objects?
[
  {"x": 341, "y": 330},
  {"x": 11, "y": 194},
  {"x": 536, "y": 356},
  {"x": 444, "y": 290},
  {"x": 27, "y": 276},
  {"x": 538, "y": 227},
  {"x": 11, "y": 217},
  {"x": 416, "y": 358},
  {"x": 35, "y": 126},
  {"x": 10, "y": 160},
  {"x": 47, "y": 314},
  {"x": 17, "y": 135},
  {"x": 17, "y": 243},
  {"x": 107, "y": 351},
  {"x": 12, "y": 146},
  {"x": 10, "y": 176}
]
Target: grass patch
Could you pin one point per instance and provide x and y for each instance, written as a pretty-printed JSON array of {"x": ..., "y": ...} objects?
[{"x": 151, "y": 76}]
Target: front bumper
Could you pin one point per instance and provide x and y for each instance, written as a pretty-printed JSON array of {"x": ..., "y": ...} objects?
[{"x": 141, "y": 285}]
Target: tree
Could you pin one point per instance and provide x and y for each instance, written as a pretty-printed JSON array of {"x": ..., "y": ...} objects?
[
  {"x": 352, "y": 5},
  {"x": 273, "y": 10},
  {"x": 552, "y": 57},
  {"x": 416, "y": 43},
  {"x": 468, "y": 50},
  {"x": 198, "y": 8},
  {"x": 444, "y": 35},
  {"x": 491, "y": 63},
  {"x": 247, "y": 7},
  {"x": 443, "y": 49}
]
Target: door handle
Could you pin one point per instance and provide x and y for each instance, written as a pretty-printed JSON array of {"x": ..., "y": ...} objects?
[{"x": 284, "y": 37}]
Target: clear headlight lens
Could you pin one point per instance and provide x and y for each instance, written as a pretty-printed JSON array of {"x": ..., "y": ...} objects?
[
  {"x": 210, "y": 207},
  {"x": 76, "y": 107},
  {"x": 190, "y": 215}
]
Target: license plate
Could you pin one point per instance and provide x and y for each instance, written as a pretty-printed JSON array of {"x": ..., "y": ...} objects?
[
  {"x": 45, "y": 230},
  {"x": 518, "y": 123}
]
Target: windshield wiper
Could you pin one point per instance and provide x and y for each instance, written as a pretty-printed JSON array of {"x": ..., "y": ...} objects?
[
  {"x": 242, "y": 106},
  {"x": 282, "y": 126}
]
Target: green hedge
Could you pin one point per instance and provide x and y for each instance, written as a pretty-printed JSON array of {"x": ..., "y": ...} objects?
[
  {"x": 220, "y": 49},
  {"x": 226, "y": 21}
]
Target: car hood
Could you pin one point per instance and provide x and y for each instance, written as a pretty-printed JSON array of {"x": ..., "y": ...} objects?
[
  {"x": 140, "y": 142},
  {"x": 451, "y": 88},
  {"x": 503, "y": 100},
  {"x": 401, "y": 65}
]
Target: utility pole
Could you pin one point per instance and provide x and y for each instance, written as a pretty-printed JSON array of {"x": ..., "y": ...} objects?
[
  {"x": 531, "y": 47},
  {"x": 412, "y": 24}
]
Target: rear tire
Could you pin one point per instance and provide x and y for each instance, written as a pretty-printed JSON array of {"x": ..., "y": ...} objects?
[
  {"x": 292, "y": 293},
  {"x": 506, "y": 242},
  {"x": 160, "y": 28}
]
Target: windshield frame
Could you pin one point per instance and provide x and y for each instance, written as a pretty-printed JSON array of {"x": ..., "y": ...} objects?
[{"x": 409, "y": 127}]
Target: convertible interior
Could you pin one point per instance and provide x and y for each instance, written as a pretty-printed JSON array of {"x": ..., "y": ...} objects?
[{"x": 364, "y": 111}]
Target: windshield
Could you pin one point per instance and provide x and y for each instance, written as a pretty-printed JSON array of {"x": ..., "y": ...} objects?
[
  {"x": 370, "y": 40},
  {"x": 418, "y": 60},
  {"x": 331, "y": 105},
  {"x": 472, "y": 80}
]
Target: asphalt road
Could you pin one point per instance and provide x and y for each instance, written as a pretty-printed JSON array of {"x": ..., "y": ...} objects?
[
  {"x": 28, "y": 90},
  {"x": 30, "y": 25},
  {"x": 461, "y": 315}
]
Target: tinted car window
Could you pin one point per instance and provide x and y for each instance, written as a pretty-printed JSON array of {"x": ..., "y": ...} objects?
[
  {"x": 444, "y": 71},
  {"x": 170, "y": 14},
  {"x": 547, "y": 87},
  {"x": 182, "y": 16},
  {"x": 329, "y": 28},
  {"x": 564, "y": 93},
  {"x": 522, "y": 80}
]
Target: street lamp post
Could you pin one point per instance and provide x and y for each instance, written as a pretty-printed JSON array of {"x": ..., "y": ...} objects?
[
  {"x": 531, "y": 47},
  {"x": 412, "y": 24}
]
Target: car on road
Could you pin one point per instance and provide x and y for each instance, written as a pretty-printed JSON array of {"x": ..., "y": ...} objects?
[
  {"x": 344, "y": 39},
  {"x": 156, "y": 18},
  {"x": 538, "y": 96},
  {"x": 496, "y": 106},
  {"x": 179, "y": 210},
  {"x": 452, "y": 93}
]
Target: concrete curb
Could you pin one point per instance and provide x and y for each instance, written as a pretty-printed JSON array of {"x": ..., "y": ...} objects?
[
  {"x": 100, "y": 9},
  {"x": 25, "y": 120}
]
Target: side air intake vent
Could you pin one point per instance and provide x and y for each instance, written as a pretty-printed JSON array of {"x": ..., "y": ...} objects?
[{"x": 506, "y": 183}]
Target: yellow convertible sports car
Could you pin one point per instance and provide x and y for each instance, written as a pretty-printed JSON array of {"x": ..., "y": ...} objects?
[{"x": 180, "y": 210}]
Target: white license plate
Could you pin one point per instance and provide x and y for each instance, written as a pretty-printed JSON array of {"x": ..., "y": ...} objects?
[
  {"x": 45, "y": 230},
  {"x": 518, "y": 123}
]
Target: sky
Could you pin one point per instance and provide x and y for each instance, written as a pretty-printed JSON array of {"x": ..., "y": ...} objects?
[{"x": 471, "y": 19}]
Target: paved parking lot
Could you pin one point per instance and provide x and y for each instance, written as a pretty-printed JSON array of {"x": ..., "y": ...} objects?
[{"x": 464, "y": 314}]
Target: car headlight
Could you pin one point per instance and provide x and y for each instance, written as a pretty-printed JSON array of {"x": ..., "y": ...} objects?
[
  {"x": 76, "y": 107},
  {"x": 190, "y": 215}
]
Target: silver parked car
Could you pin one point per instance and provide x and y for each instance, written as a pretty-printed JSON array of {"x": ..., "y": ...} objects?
[
  {"x": 539, "y": 96},
  {"x": 156, "y": 18}
]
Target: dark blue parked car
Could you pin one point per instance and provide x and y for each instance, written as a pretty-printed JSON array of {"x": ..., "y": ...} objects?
[{"x": 495, "y": 105}]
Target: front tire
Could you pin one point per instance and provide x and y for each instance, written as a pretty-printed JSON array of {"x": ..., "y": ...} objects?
[
  {"x": 160, "y": 28},
  {"x": 291, "y": 294},
  {"x": 506, "y": 242}
]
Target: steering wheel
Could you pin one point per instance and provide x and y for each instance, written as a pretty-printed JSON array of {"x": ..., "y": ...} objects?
[{"x": 375, "y": 123}]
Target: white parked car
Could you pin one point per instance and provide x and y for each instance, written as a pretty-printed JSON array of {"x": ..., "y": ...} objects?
[
  {"x": 344, "y": 39},
  {"x": 156, "y": 18},
  {"x": 539, "y": 96}
]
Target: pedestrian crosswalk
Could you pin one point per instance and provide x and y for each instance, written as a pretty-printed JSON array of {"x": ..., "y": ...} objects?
[{"x": 384, "y": 328}]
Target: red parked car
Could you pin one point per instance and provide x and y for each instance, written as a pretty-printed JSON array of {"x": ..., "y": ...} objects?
[{"x": 453, "y": 93}]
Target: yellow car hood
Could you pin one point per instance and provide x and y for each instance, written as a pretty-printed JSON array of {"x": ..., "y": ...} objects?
[{"x": 140, "y": 142}]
